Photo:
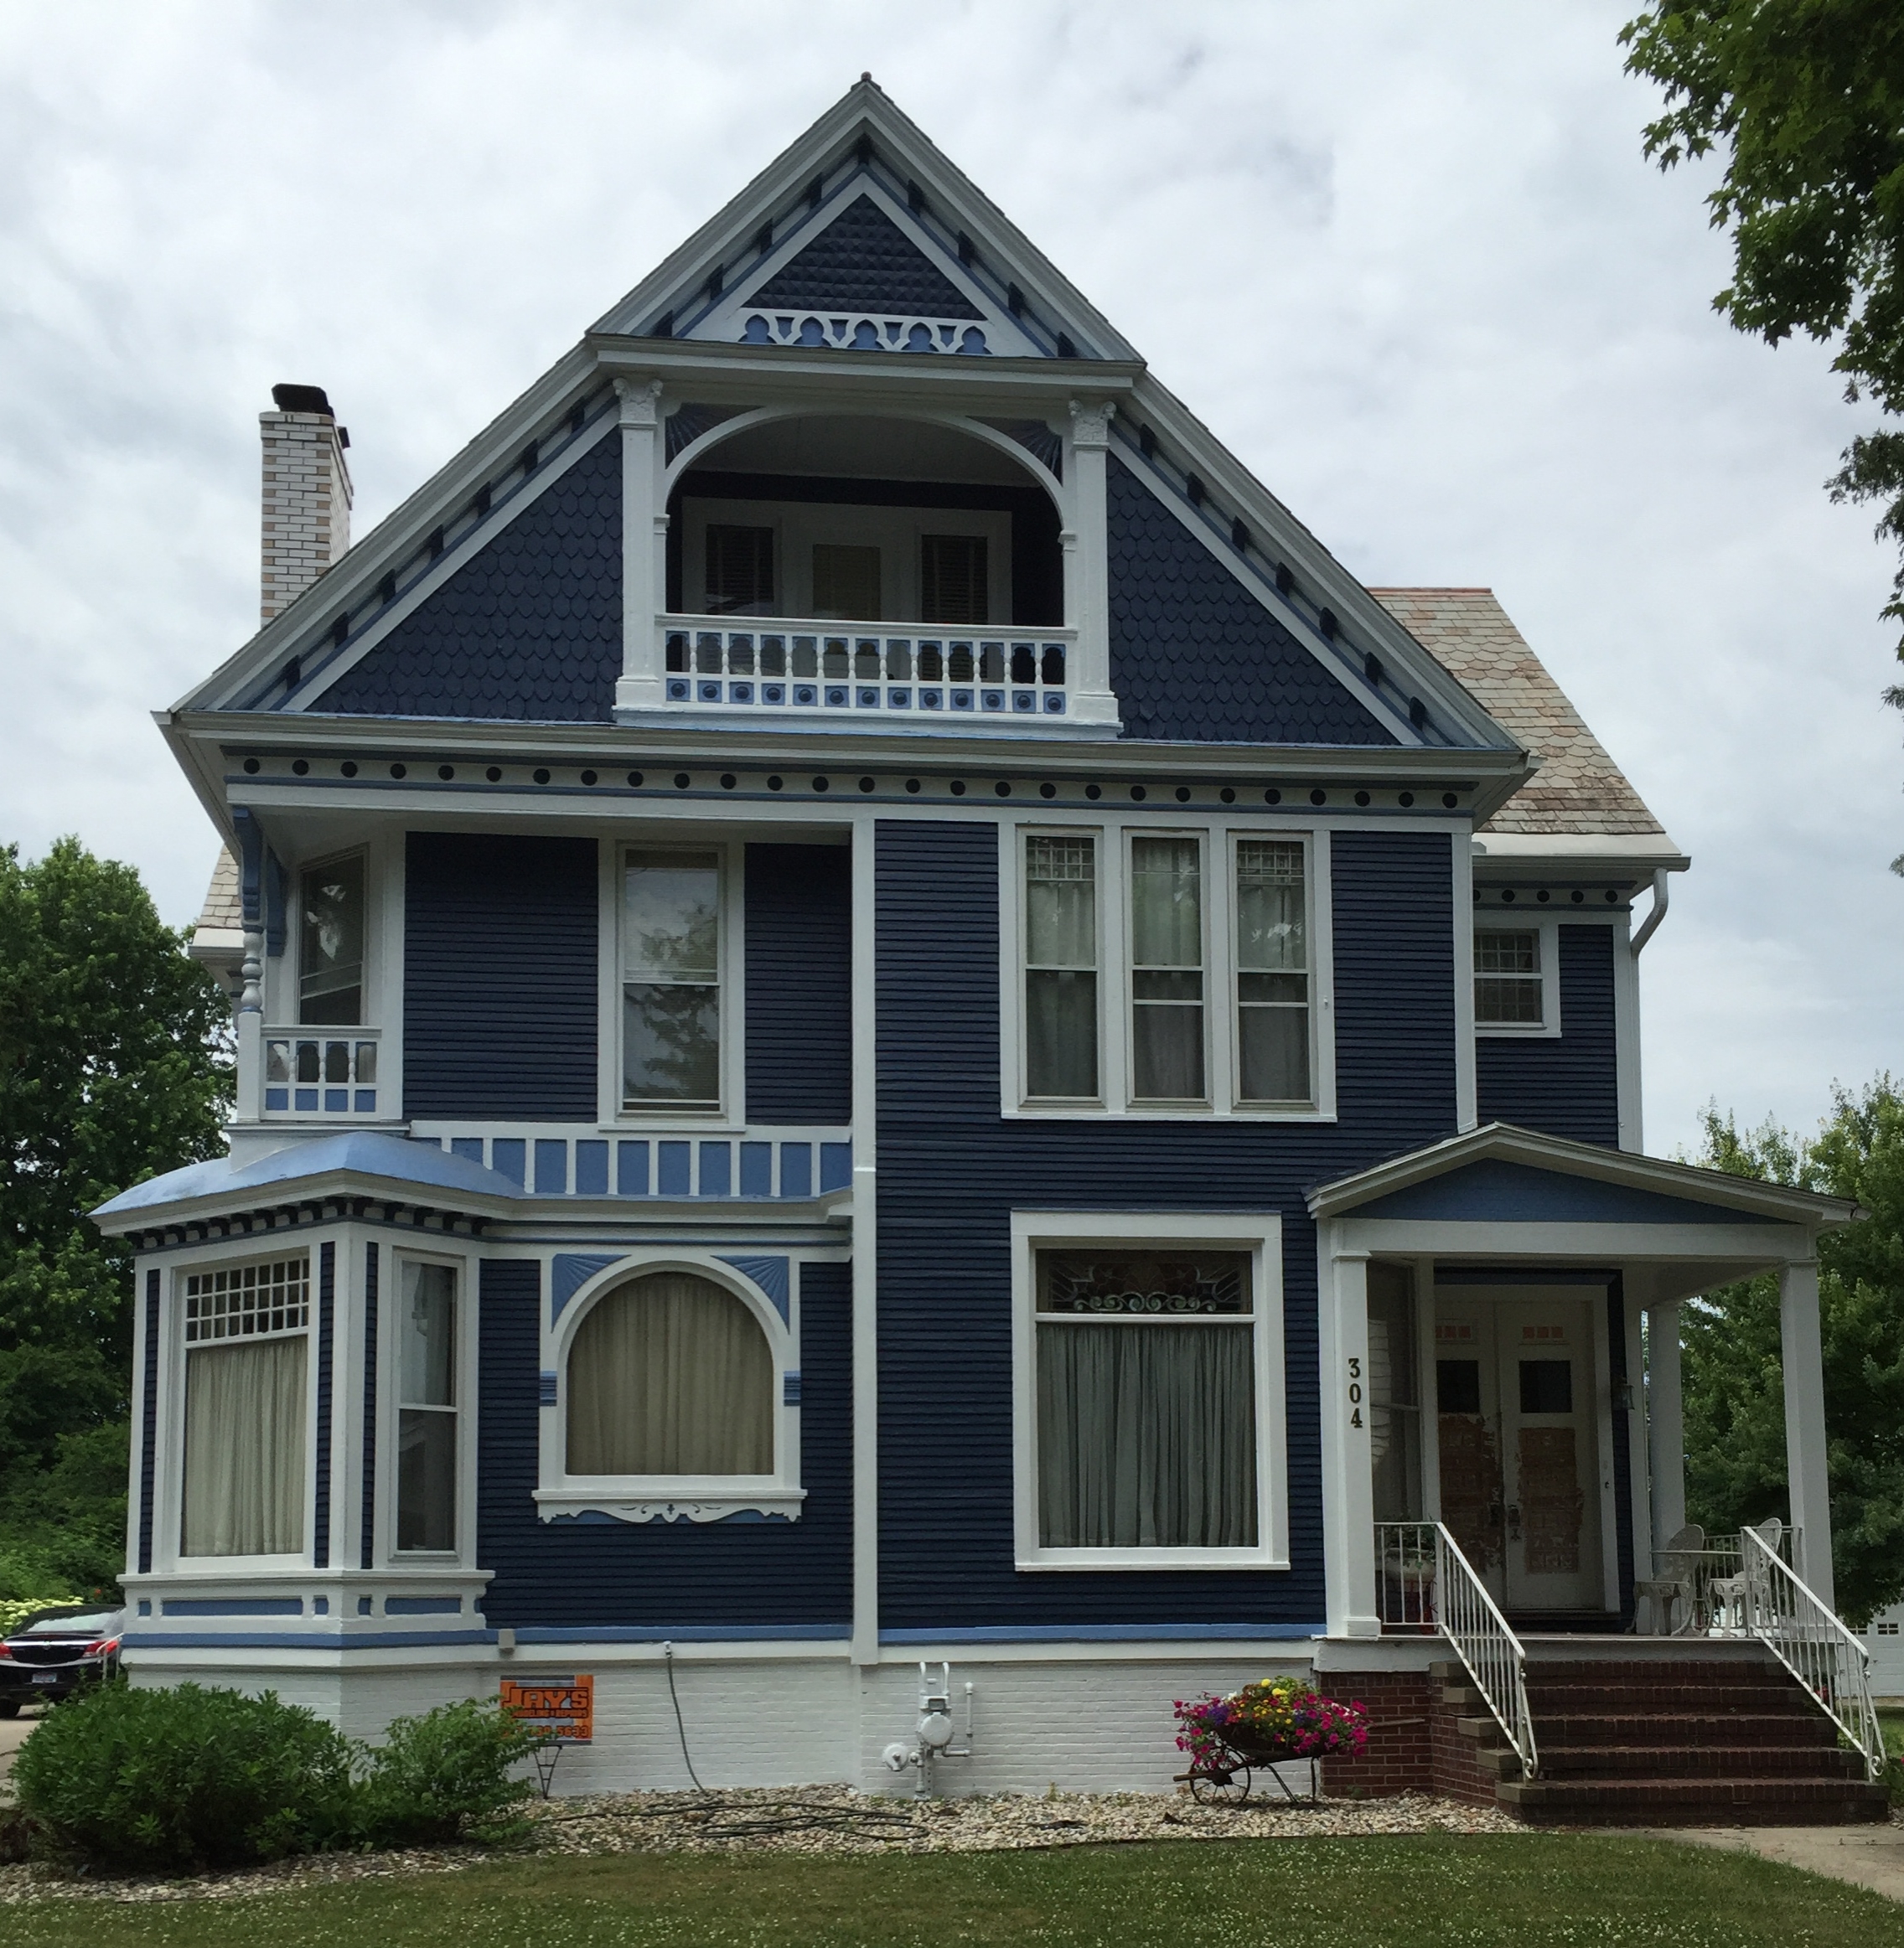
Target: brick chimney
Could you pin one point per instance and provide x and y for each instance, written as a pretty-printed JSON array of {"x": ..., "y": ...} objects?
[{"x": 307, "y": 502}]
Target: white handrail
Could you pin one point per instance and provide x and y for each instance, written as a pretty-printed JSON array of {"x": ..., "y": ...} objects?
[
  {"x": 1490, "y": 1652},
  {"x": 1794, "y": 1623}
]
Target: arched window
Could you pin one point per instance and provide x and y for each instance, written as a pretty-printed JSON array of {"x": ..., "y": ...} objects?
[{"x": 670, "y": 1375}]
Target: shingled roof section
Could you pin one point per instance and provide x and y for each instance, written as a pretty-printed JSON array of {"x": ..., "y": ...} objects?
[
  {"x": 1578, "y": 787},
  {"x": 224, "y": 912}
]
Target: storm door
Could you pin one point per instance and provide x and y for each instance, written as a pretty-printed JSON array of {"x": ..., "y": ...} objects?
[{"x": 1516, "y": 1415}]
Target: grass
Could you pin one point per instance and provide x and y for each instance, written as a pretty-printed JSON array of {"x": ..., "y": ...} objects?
[{"x": 1536, "y": 1891}]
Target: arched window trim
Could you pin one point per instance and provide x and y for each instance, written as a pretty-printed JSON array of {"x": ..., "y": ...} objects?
[{"x": 642, "y": 1498}]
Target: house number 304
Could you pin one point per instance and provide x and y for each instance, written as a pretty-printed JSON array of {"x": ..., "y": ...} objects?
[{"x": 1354, "y": 1392}]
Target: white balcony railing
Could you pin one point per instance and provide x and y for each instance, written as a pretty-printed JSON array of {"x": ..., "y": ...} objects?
[
  {"x": 751, "y": 664},
  {"x": 324, "y": 1073}
]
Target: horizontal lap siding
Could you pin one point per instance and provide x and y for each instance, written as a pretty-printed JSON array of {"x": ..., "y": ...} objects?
[
  {"x": 800, "y": 984},
  {"x": 762, "y": 1575},
  {"x": 1568, "y": 1085},
  {"x": 500, "y": 978},
  {"x": 951, "y": 1170}
]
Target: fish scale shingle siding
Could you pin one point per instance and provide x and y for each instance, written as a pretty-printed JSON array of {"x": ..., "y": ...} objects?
[
  {"x": 528, "y": 629},
  {"x": 1568, "y": 1085},
  {"x": 863, "y": 261},
  {"x": 739, "y": 1574},
  {"x": 951, "y": 1170},
  {"x": 800, "y": 984},
  {"x": 500, "y": 986},
  {"x": 1194, "y": 656}
]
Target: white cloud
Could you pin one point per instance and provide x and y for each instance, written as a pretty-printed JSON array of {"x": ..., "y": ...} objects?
[{"x": 1407, "y": 262}]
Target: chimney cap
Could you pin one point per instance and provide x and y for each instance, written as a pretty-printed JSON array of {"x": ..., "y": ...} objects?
[{"x": 301, "y": 399}]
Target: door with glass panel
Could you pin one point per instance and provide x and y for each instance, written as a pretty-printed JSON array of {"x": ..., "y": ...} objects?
[
  {"x": 1169, "y": 1034},
  {"x": 1467, "y": 1420}
]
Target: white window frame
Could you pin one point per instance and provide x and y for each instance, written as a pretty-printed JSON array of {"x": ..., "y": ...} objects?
[
  {"x": 1218, "y": 837},
  {"x": 895, "y": 531},
  {"x": 1257, "y": 1233},
  {"x": 169, "y": 1512},
  {"x": 389, "y": 1408},
  {"x": 732, "y": 978},
  {"x": 1547, "y": 926},
  {"x": 642, "y": 1498}
]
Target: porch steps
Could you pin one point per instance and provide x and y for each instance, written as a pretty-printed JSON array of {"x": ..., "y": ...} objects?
[{"x": 1668, "y": 1741}]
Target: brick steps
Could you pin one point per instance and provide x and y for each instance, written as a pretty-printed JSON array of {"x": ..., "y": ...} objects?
[{"x": 1693, "y": 1802}]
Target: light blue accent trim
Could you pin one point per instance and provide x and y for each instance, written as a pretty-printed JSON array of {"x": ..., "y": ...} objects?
[
  {"x": 827, "y": 1633},
  {"x": 790, "y": 1389},
  {"x": 234, "y": 1606},
  {"x": 568, "y": 1272},
  {"x": 545, "y": 1395},
  {"x": 592, "y": 1168},
  {"x": 717, "y": 1170},
  {"x": 551, "y": 1166},
  {"x": 770, "y": 1274},
  {"x": 631, "y": 1169},
  {"x": 673, "y": 1168},
  {"x": 796, "y": 1170},
  {"x": 422, "y": 1606},
  {"x": 836, "y": 1166},
  {"x": 509, "y": 1157},
  {"x": 1109, "y": 1634},
  {"x": 300, "y": 1639}
]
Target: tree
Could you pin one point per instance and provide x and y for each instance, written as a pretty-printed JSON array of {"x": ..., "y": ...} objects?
[
  {"x": 1805, "y": 100},
  {"x": 114, "y": 1066},
  {"x": 1734, "y": 1390}
]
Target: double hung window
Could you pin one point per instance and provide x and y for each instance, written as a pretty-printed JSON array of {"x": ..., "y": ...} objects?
[
  {"x": 671, "y": 956},
  {"x": 246, "y": 1331},
  {"x": 426, "y": 1409},
  {"x": 1166, "y": 970},
  {"x": 1515, "y": 992},
  {"x": 1061, "y": 962},
  {"x": 1272, "y": 972}
]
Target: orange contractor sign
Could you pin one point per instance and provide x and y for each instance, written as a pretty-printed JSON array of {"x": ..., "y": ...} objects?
[{"x": 563, "y": 1707}]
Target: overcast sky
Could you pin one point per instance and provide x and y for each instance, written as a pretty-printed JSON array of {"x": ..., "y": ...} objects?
[{"x": 1406, "y": 261}]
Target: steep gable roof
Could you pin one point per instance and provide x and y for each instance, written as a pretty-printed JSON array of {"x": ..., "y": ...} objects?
[
  {"x": 1578, "y": 789},
  {"x": 862, "y": 259}
]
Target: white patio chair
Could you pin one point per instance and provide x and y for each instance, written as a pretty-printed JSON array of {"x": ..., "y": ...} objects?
[
  {"x": 1729, "y": 1597},
  {"x": 1676, "y": 1583}
]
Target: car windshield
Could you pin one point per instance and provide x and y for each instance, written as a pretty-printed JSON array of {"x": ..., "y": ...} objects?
[{"x": 92, "y": 1623}]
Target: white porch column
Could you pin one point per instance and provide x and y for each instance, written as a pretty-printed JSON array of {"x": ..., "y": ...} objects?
[
  {"x": 1086, "y": 544},
  {"x": 1665, "y": 1423},
  {"x": 1349, "y": 1500},
  {"x": 645, "y": 540},
  {"x": 1803, "y": 1358}
]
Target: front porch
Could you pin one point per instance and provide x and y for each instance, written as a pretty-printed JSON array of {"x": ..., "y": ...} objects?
[{"x": 1504, "y": 1493}]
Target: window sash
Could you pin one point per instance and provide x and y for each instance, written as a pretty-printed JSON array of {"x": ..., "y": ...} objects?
[
  {"x": 330, "y": 943},
  {"x": 1168, "y": 1054},
  {"x": 1510, "y": 979},
  {"x": 955, "y": 580},
  {"x": 1270, "y": 929},
  {"x": 1060, "y": 972},
  {"x": 673, "y": 951},
  {"x": 244, "y": 1464}
]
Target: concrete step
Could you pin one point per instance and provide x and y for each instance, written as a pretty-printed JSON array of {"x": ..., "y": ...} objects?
[{"x": 1694, "y": 1803}]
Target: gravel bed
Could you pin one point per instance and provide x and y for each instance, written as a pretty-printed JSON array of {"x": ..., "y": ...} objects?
[{"x": 822, "y": 1819}]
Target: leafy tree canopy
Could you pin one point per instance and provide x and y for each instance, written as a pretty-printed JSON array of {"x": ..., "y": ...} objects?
[
  {"x": 1733, "y": 1391},
  {"x": 1804, "y": 99}
]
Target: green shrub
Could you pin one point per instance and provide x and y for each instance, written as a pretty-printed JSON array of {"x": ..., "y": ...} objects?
[
  {"x": 186, "y": 1778},
  {"x": 446, "y": 1776}
]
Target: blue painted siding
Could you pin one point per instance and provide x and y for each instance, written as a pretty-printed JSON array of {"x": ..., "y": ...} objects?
[
  {"x": 148, "y": 1432},
  {"x": 499, "y": 978},
  {"x": 327, "y": 1321},
  {"x": 799, "y": 981},
  {"x": 1494, "y": 1191},
  {"x": 1568, "y": 1085},
  {"x": 366, "y": 1552},
  {"x": 951, "y": 1170},
  {"x": 530, "y": 627},
  {"x": 1194, "y": 655},
  {"x": 764, "y": 1576}
]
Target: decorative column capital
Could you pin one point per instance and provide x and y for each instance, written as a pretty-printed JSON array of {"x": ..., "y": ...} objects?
[
  {"x": 1090, "y": 423},
  {"x": 641, "y": 402}
]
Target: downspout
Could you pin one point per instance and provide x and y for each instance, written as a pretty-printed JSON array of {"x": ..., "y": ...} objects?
[{"x": 1655, "y": 914}]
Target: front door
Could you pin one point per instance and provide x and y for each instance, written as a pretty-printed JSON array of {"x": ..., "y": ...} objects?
[{"x": 1519, "y": 1426}]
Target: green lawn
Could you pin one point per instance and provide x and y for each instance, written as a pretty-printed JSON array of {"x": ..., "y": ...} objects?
[{"x": 1450, "y": 1891}]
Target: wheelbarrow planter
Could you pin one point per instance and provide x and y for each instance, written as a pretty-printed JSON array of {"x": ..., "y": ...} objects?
[{"x": 1230, "y": 1741}]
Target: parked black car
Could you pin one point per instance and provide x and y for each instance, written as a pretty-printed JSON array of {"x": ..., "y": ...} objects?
[{"x": 55, "y": 1652}]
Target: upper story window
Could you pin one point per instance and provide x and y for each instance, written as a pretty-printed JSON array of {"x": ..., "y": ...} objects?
[
  {"x": 740, "y": 570},
  {"x": 670, "y": 1376},
  {"x": 955, "y": 580},
  {"x": 330, "y": 943},
  {"x": 671, "y": 978},
  {"x": 246, "y": 1333},
  {"x": 427, "y": 1407},
  {"x": 1214, "y": 991},
  {"x": 1515, "y": 991}
]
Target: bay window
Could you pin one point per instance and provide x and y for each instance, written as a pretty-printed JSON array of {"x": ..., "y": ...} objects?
[
  {"x": 427, "y": 1407},
  {"x": 246, "y": 1333}
]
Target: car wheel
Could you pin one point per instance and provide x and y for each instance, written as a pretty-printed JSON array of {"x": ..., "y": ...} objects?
[{"x": 9, "y": 1708}]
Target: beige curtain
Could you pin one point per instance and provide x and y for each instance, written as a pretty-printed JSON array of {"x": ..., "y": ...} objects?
[
  {"x": 245, "y": 1449},
  {"x": 670, "y": 1375}
]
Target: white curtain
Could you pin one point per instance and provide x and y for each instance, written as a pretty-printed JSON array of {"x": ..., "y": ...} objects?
[
  {"x": 245, "y": 1449},
  {"x": 1147, "y": 1437},
  {"x": 670, "y": 1375}
]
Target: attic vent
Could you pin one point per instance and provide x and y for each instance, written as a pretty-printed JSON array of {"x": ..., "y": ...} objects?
[
  {"x": 968, "y": 250},
  {"x": 1239, "y": 534},
  {"x": 1327, "y": 624},
  {"x": 1194, "y": 487},
  {"x": 1286, "y": 578},
  {"x": 915, "y": 197},
  {"x": 1372, "y": 667}
]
